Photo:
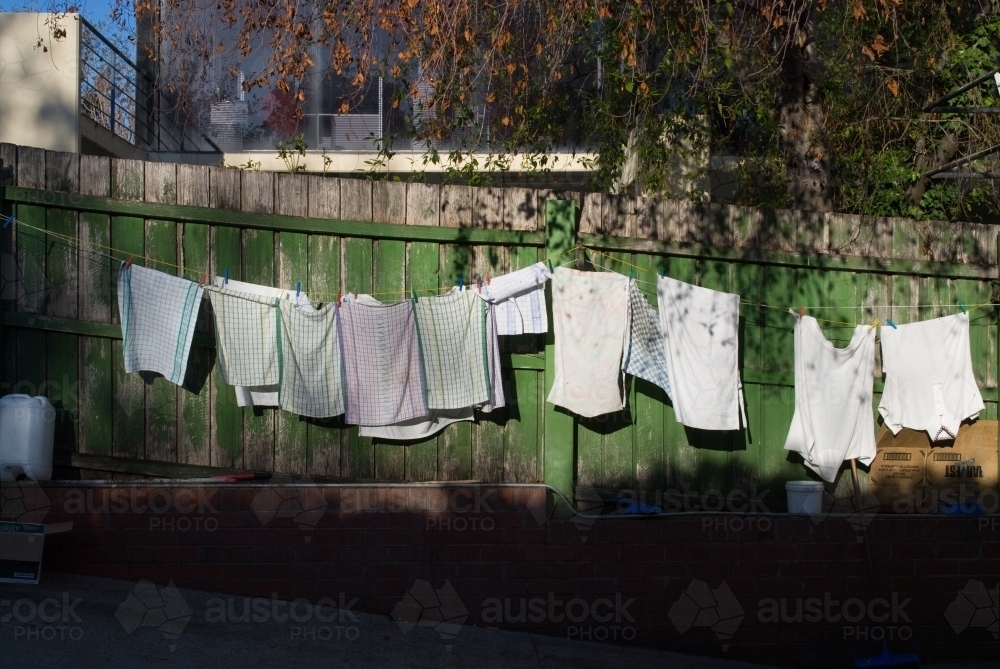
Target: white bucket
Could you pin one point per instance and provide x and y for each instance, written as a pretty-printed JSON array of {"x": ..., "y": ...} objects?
[
  {"x": 27, "y": 431},
  {"x": 804, "y": 497}
]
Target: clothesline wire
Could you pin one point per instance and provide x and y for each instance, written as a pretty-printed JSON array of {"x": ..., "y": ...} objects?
[
  {"x": 81, "y": 243},
  {"x": 785, "y": 309},
  {"x": 197, "y": 272}
]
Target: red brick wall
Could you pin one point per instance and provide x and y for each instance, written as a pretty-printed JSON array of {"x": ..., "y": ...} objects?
[{"x": 704, "y": 584}]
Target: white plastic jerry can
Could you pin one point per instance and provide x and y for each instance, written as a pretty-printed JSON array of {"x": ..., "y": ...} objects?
[{"x": 27, "y": 433}]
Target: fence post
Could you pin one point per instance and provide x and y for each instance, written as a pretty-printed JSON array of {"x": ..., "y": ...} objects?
[{"x": 559, "y": 460}]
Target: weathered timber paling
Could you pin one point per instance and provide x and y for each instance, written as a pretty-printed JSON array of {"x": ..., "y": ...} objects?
[{"x": 60, "y": 335}]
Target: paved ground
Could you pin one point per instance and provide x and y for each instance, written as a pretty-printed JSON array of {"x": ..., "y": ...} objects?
[
  {"x": 93, "y": 633},
  {"x": 46, "y": 626}
]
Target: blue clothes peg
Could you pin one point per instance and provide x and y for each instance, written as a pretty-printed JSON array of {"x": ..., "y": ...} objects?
[
  {"x": 298, "y": 288},
  {"x": 461, "y": 284},
  {"x": 7, "y": 222},
  {"x": 631, "y": 274},
  {"x": 891, "y": 324},
  {"x": 961, "y": 305},
  {"x": 413, "y": 294},
  {"x": 549, "y": 263},
  {"x": 662, "y": 273},
  {"x": 225, "y": 276}
]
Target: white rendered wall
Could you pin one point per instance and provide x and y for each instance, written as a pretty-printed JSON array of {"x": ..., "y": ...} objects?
[{"x": 40, "y": 81}]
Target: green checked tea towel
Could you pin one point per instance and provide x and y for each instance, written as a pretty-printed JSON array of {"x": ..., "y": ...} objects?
[
  {"x": 247, "y": 336},
  {"x": 452, "y": 333},
  {"x": 312, "y": 382},
  {"x": 158, "y": 314}
]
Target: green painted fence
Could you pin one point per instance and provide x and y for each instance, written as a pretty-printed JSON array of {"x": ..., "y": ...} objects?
[{"x": 60, "y": 336}]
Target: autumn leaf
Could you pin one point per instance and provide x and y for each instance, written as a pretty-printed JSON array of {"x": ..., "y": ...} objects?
[
  {"x": 491, "y": 97},
  {"x": 879, "y": 46},
  {"x": 868, "y": 52},
  {"x": 506, "y": 120},
  {"x": 893, "y": 86},
  {"x": 858, "y": 11},
  {"x": 538, "y": 49},
  {"x": 344, "y": 108}
]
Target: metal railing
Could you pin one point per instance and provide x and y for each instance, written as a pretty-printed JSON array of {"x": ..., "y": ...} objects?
[{"x": 118, "y": 96}]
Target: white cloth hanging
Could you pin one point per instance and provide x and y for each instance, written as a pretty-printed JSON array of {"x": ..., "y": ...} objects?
[
  {"x": 929, "y": 382},
  {"x": 519, "y": 300},
  {"x": 589, "y": 318},
  {"x": 158, "y": 314},
  {"x": 701, "y": 338},
  {"x": 833, "y": 419},
  {"x": 262, "y": 396}
]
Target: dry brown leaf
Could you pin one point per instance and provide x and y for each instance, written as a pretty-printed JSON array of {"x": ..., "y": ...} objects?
[
  {"x": 858, "y": 11},
  {"x": 344, "y": 108},
  {"x": 879, "y": 46},
  {"x": 893, "y": 86},
  {"x": 868, "y": 52}
]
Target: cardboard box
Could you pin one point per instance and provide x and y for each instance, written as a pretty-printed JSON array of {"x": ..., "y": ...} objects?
[
  {"x": 21, "y": 546},
  {"x": 912, "y": 474}
]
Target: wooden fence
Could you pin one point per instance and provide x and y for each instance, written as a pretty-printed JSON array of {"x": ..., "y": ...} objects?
[{"x": 60, "y": 336}]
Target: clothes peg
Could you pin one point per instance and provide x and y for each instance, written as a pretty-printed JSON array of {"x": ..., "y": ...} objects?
[
  {"x": 662, "y": 273},
  {"x": 413, "y": 294},
  {"x": 479, "y": 284},
  {"x": 549, "y": 263},
  {"x": 461, "y": 284},
  {"x": 298, "y": 288},
  {"x": 802, "y": 311},
  {"x": 128, "y": 263},
  {"x": 225, "y": 276},
  {"x": 7, "y": 222},
  {"x": 961, "y": 305},
  {"x": 631, "y": 274},
  {"x": 338, "y": 299},
  {"x": 487, "y": 278},
  {"x": 874, "y": 324},
  {"x": 891, "y": 324},
  {"x": 202, "y": 281}
]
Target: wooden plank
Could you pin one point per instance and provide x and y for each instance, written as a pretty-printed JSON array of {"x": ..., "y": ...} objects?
[
  {"x": 96, "y": 395},
  {"x": 422, "y": 271},
  {"x": 31, "y": 246},
  {"x": 291, "y": 195},
  {"x": 456, "y": 207},
  {"x": 291, "y": 434},
  {"x": 648, "y": 402},
  {"x": 356, "y": 200},
  {"x": 324, "y": 197},
  {"x": 423, "y": 204},
  {"x": 227, "y": 416},
  {"x": 224, "y": 193},
  {"x": 389, "y": 283},
  {"x": 488, "y": 438},
  {"x": 389, "y": 202},
  {"x": 257, "y": 192},
  {"x": 193, "y": 185},
  {"x": 161, "y": 183},
  {"x": 194, "y": 400},
  {"x": 127, "y": 180},
  {"x": 258, "y": 424},
  {"x": 357, "y": 452},
  {"x": 61, "y": 387},
  {"x": 346, "y": 226},
  {"x": 30, "y": 167},
  {"x": 560, "y": 217},
  {"x": 161, "y": 394},
  {"x": 96, "y": 304},
  {"x": 324, "y": 436}
]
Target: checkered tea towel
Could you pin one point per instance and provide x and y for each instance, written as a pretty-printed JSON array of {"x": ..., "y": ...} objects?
[
  {"x": 312, "y": 381},
  {"x": 247, "y": 337},
  {"x": 645, "y": 355},
  {"x": 262, "y": 396},
  {"x": 497, "y": 400},
  {"x": 452, "y": 332},
  {"x": 383, "y": 381},
  {"x": 519, "y": 299},
  {"x": 158, "y": 313}
]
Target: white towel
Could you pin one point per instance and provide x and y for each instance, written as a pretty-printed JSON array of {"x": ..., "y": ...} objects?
[
  {"x": 262, "y": 396},
  {"x": 418, "y": 428},
  {"x": 833, "y": 418},
  {"x": 589, "y": 318},
  {"x": 519, "y": 299},
  {"x": 312, "y": 380},
  {"x": 701, "y": 337},
  {"x": 158, "y": 313},
  {"x": 247, "y": 337},
  {"x": 929, "y": 383}
]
